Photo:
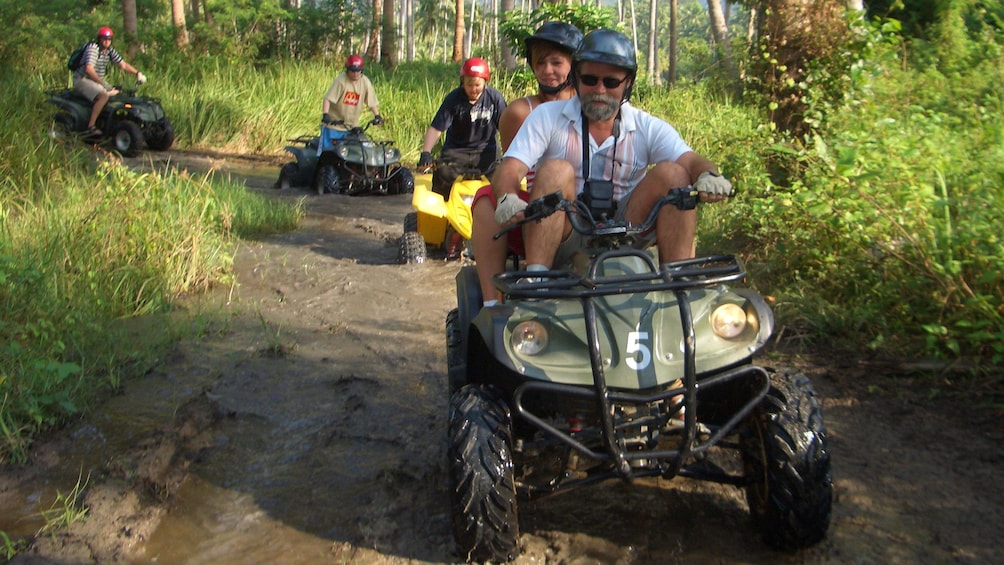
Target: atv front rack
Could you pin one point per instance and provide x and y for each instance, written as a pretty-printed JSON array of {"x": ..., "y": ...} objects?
[{"x": 679, "y": 277}]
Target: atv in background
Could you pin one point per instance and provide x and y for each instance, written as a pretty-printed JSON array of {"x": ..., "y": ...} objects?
[
  {"x": 345, "y": 162},
  {"x": 620, "y": 369},
  {"x": 128, "y": 121}
]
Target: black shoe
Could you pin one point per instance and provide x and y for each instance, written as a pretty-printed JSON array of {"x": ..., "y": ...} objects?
[{"x": 92, "y": 132}]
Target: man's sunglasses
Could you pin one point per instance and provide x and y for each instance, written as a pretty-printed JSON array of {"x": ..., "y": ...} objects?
[{"x": 608, "y": 82}]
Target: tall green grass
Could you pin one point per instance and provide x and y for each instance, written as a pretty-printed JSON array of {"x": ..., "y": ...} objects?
[{"x": 86, "y": 242}]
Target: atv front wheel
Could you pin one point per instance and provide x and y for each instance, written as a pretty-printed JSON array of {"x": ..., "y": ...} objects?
[
  {"x": 403, "y": 182},
  {"x": 127, "y": 139},
  {"x": 327, "y": 180},
  {"x": 790, "y": 488},
  {"x": 482, "y": 487},
  {"x": 411, "y": 249}
]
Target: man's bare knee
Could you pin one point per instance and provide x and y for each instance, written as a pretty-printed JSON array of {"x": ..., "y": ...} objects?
[{"x": 552, "y": 175}]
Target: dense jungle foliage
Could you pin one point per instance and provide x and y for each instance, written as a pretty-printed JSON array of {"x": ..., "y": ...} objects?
[{"x": 874, "y": 226}]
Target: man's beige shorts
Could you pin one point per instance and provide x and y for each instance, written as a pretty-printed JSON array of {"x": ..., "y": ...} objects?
[{"x": 88, "y": 88}]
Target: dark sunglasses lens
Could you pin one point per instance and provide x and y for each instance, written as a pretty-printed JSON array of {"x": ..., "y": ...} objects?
[
  {"x": 611, "y": 82},
  {"x": 608, "y": 82}
]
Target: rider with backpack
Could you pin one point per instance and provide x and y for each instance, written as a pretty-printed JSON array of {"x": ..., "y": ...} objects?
[{"x": 89, "y": 74}]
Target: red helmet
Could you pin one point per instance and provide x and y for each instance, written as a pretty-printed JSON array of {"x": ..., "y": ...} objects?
[
  {"x": 476, "y": 67},
  {"x": 354, "y": 63},
  {"x": 105, "y": 32}
]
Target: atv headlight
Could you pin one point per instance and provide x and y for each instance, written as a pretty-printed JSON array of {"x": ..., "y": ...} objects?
[
  {"x": 467, "y": 199},
  {"x": 388, "y": 154},
  {"x": 728, "y": 321},
  {"x": 343, "y": 151},
  {"x": 529, "y": 338}
]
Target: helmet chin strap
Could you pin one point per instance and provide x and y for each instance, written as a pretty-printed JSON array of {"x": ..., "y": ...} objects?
[{"x": 549, "y": 90}]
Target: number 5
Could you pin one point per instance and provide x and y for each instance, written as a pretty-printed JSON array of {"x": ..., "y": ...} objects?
[{"x": 636, "y": 345}]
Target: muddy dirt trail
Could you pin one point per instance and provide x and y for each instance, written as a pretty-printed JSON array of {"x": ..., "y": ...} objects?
[{"x": 306, "y": 424}]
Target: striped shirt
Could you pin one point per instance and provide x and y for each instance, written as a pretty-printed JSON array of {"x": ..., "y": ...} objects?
[
  {"x": 94, "y": 56},
  {"x": 554, "y": 131}
]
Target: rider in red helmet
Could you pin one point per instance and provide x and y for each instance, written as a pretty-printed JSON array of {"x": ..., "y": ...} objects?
[
  {"x": 470, "y": 117},
  {"x": 348, "y": 93},
  {"x": 89, "y": 77}
]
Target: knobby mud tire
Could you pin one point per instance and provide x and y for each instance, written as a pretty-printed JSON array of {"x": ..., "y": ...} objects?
[
  {"x": 165, "y": 140},
  {"x": 411, "y": 249},
  {"x": 454, "y": 348},
  {"x": 483, "y": 491},
  {"x": 411, "y": 222},
  {"x": 61, "y": 128},
  {"x": 790, "y": 489},
  {"x": 287, "y": 176},
  {"x": 127, "y": 139},
  {"x": 327, "y": 180},
  {"x": 403, "y": 182}
]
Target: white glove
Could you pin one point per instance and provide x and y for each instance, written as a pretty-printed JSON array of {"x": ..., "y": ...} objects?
[
  {"x": 140, "y": 78},
  {"x": 713, "y": 183},
  {"x": 509, "y": 205}
]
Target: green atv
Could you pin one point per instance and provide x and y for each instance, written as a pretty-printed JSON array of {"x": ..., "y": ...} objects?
[{"x": 620, "y": 370}]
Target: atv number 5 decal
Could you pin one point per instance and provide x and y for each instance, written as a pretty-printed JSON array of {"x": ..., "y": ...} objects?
[{"x": 636, "y": 344}]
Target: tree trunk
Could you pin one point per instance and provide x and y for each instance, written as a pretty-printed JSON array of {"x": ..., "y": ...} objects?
[
  {"x": 178, "y": 16},
  {"x": 720, "y": 35},
  {"x": 409, "y": 26},
  {"x": 797, "y": 33},
  {"x": 373, "y": 50},
  {"x": 653, "y": 21},
  {"x": 458, "y": 33},
  {"x": 388, "y": 45},
  {"x": 130, "y": 25},
  {"x": 509, "y": 56},
  {"x": 195, "y": 10},
  {"x": 674, "y": 37}
]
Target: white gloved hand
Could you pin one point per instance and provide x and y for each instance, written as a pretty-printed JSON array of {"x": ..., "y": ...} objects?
[
  {"x": 713, "y": 183},
  {"x": 140, "y": 78},
  {"x": 509, "y": 205}
]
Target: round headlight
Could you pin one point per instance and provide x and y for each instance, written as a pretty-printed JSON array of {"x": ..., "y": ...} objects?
[
  {"x": 728, "y": 321},
  {"x": 529, "y": 338}
]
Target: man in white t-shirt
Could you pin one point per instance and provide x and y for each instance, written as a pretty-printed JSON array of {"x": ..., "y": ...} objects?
[{"x": 641, "y": 155}]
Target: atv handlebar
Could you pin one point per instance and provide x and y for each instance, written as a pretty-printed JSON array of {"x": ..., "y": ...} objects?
[
  {"x": 582, "y": 220},
  {"x": 356, "y": 130}
]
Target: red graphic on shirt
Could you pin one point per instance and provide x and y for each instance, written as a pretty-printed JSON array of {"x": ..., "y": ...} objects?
[{"x": 351, "y": 99}]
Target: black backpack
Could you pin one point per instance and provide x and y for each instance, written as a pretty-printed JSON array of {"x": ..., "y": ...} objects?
[{"x": 74, "y": 61}]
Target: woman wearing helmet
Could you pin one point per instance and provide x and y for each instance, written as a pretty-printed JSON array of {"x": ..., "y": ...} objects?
[
  {"x": 89, "y": 77},
  {"x": 348, "y": 93},
  {"x": 549, "y": 53},
  {"x": 470, "y": 117}
]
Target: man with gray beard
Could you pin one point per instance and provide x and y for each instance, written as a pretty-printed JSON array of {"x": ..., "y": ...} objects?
[{"x": 598, "y": 138}]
